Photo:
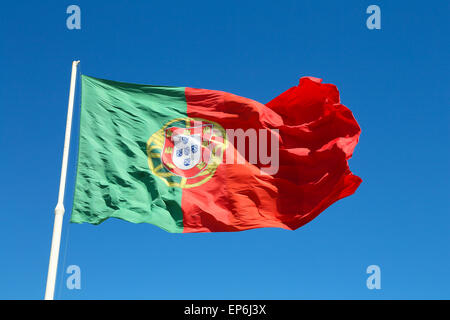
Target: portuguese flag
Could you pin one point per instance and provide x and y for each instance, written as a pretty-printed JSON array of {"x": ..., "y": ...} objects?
[{"x": 196, "y": 160}]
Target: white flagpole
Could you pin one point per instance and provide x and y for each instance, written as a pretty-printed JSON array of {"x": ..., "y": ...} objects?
[{"x": 59, "y": 210}]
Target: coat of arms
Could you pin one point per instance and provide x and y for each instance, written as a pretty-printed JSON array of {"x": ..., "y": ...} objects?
[{"x": 186, "y": 151}]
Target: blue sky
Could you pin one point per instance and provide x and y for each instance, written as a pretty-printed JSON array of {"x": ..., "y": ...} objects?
[{"x": 395, "y": 80}]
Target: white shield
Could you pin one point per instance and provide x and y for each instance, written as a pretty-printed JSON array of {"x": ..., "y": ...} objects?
[{"x": 186, "y": 151}]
